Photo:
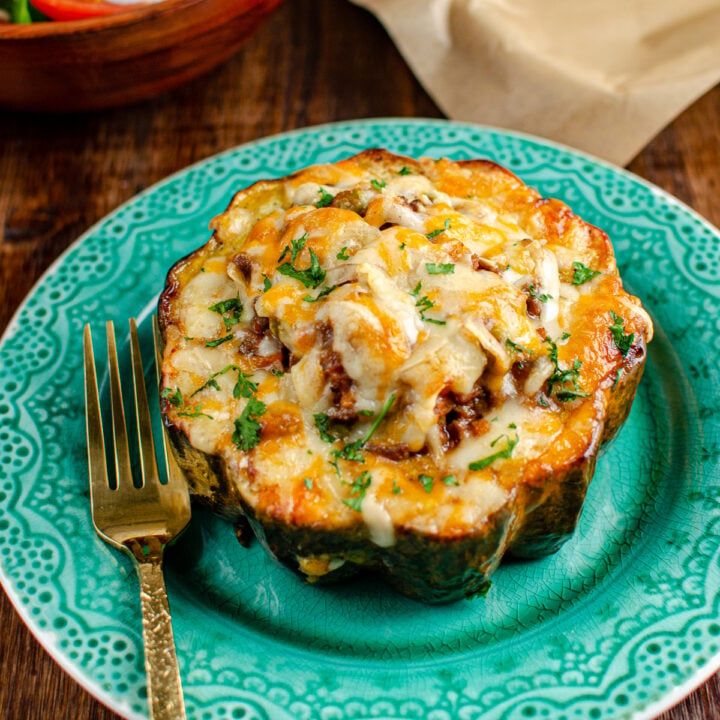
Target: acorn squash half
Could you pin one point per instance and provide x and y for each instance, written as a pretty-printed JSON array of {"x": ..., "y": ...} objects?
[{"x": 401, "y": 365}]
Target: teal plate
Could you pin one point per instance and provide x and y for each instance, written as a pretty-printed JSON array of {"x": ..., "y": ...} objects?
[{"x": 622, "y": 622}]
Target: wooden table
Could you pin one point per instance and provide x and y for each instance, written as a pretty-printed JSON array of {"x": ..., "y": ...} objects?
[{"x": 314, "y": 61}]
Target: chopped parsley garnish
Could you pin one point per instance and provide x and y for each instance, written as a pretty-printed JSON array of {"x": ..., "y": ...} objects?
[
  {"x": 618, "y": 375},
  {"x": 266, "y": 283},
  {"x": 230, "y": 309},
  {"x": 542, "y": 297},
  {"x": 438, "y": 231},
  {"x": 424, "y": 303},
  {"x": 377, "y": 184},
  {"x": 343, "y": 254},
  {"x": 194, "y": 412},
  {"x": 175, "y": 398},
  {"x": 450, "y": 480},
  {"x": 247, "y": 427},
  {"x": 504, "y": 453},
  {"x": 404, "y": 170},
  {"x": 295, "y": 248},
  {"x": 427, "y": 482},
  {"x": 515, "y": 347},
  {"x": 244, "y": 387},
  {"x": 558, "y": 382},
  {"x": 323, "y": 293},
  {"x": 357, "y": 491},
  {"x": 308, "y": 483},
  {"x": 325, "y": 198},
  {"x": 211, "y": 382},
  {"x": 622, "y": 341},
  {"x": 565, "y": 336},
  {"x": 440, "y": 268},
  {"x": 396, "y": 489},
  {"x": 352, "y": 451},
  {"x": 542, "y": 402},
  {"x": 322, "y": 423},
  {"x": 381, "y": 416},
  {"x": 582, "y": 273},
  {"x": 219, "y": 341},
  {"x": 310, "y": 277}
]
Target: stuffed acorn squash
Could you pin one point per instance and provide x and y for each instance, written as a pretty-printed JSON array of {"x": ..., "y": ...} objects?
[{"x": 407, "y": 366}]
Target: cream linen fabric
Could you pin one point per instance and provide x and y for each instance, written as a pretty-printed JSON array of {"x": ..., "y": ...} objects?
[{"x": 600, "y": 75}]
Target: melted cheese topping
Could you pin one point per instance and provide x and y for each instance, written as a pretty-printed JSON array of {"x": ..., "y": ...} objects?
[{"x": 394, "y": 341}]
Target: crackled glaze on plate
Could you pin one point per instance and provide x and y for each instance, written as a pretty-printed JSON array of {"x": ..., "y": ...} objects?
[{"x": 619, "y": 623}]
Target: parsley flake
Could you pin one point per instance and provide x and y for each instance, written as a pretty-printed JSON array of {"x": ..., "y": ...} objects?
[
  {"x": 323, "y": 293},
  {"x": 211, "y": 382},
  {"x": 451, "y": 481},
  {"x": 352, "y": 451},
  {"x": 404, "y": 170},
  {"x": 230, "y": 310},
  {"x": 247, "y": 427},
  {"x": 244, "y": 387},
  {"x": 325, "y": 198},
  {"x": 194, "y": 412},
  {"x": 219, "y": 341},
  {"x": 175, "y": 398},
  {"x": 515, "y": 347},
  {"x": 310, "y": 277},
  {"x": 357, "y": 491},
  {"x": 440, "y": 268},
  {"x": 582, "y": 273},
  {"x": 322, "y": 423},
  {"x": 424, "y": 304},
  {"x": 426, "y": 481},
  {"x": 622, "y": 341},
  {"x": 558, "y": 382},
  {"x": 438, "y": 231},
  {"x": 343, "y": 254},
  {"x": 542, "y": 297},
  {"x": 377, "y": 184},
  {"x": 504, "y": 453},
  {"x": 308, "y": 483},
  {"x": 396, "y": 489}
]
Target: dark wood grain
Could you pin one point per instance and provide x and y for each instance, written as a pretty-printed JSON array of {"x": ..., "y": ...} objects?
[{"x": 314, "y": 61}]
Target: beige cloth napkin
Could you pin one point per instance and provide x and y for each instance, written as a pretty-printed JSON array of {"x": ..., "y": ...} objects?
[{"x": 600, "y": 75}]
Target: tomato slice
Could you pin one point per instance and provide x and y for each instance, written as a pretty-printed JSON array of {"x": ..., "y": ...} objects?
[{"x": 79, "y": 9}]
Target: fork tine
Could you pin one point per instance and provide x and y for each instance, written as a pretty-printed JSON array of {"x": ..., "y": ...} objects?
[
  {"x": 174, "y": 474},
  {"x": 148, "y": 460},
  {"x": 93, "y": 418},
  {"x": 123, "y": 468}
]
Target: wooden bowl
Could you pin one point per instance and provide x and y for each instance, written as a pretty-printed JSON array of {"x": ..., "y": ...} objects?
[{"x": 118, "y": 59}]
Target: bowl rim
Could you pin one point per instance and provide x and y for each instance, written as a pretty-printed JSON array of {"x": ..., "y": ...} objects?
[{"x": 33, "y": 31}]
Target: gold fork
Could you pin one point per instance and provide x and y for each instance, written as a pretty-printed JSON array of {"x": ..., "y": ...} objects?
[{"x": 139, "y": 521}]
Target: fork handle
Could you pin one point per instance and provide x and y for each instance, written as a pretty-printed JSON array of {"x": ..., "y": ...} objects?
[{"x": 161, "y": 667}]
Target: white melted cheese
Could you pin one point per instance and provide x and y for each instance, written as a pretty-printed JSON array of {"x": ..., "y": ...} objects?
[{"x": 406, "y": 293}]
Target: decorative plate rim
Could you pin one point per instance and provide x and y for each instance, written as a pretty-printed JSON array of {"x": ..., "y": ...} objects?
[{"x": 15, "y": 594}]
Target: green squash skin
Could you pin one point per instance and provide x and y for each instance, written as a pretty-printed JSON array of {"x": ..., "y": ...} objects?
[{"x": 427, "y": 568}]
